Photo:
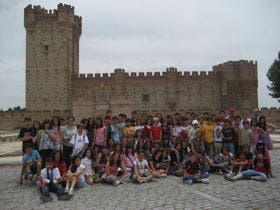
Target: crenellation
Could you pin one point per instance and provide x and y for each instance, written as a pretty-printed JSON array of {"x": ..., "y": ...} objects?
[
  {"x": 105, "y": 75},
  {"x": 187, "y": 73},
  {"x": 149, "y": 74},
  {"x": 141, "y": 74},
  {"x": 194, "y": 73},
  {"x": 90, "y": 75},
  {"x": 157, "y": 74},
  {"x": 203, "y": 73},
  {"x": 97, "y": 75},
  {"x": 82, "y": 76},
  {"x": 133, "y": 74}
]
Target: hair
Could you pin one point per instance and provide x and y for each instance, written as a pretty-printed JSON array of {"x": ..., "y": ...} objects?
[
  {"x": 70, "y": 117},
  {"x": 137, "y": 146},
  {"x": 27, "y": 119},
  {"x": 61, "y": 156},
  {"x": 246, "y": 122},
  {"x": 101, "y": 122},
  {"x": 88, "y": 125},
  {"x": 79, "y": 126},
  {"x": 111, "y": 159},
  {"x": 58, "y": 122},
  {"x": 28, "y": 145},
  {"x": 115, "y": 118},
  {"x": 84, "y": 120},
  {"x": 108, "y": 111},
  {"x": 73, "y": 168},
  {"x": 262, "y": 151},
  {"x": 49, "y": 160},
  {"x": 261, "y": 124},
  {"x": 129, "y": 146},
  {"x": 85, "y": 153},
  {"x": 46, "y": 122},
  {"x": 253, "y": 120},
  {"x": 36, "y": 121},
  {"x": 155, "y": 154}
]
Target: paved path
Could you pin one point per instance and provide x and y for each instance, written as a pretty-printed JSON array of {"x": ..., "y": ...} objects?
[{"x": 167, "y": 193}]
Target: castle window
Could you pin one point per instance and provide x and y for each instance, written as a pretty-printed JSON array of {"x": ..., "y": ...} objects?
[
  {"x": 46, "y": 48},
  {"x": 146, "y": 98}
]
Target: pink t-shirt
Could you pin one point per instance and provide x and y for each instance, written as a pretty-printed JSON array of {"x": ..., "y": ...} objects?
[
  {"x": 128, "y": 160},
  {"x": 57, "y": 134},
  {"x": 100, "y": 134}
]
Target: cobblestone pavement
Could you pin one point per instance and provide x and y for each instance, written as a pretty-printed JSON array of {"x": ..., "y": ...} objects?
[{"x": 167, "y": 193}]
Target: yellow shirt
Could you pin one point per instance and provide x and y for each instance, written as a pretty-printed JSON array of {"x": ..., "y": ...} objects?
[
  {"x": 208, "y": 132},
  {"x": 129, "y": 132}
]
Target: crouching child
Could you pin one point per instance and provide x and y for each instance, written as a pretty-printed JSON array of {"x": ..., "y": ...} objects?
[{"x": 49, "y": 183}]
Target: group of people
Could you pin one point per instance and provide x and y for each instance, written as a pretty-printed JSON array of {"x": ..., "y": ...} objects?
[{"x": 59, "y": 155}]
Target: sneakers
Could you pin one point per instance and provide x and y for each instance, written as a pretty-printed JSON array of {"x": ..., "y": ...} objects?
[
  {"x": 189, "y": 181},
  {"x": 71, "y": 191},
  {"x": 229, "y": 178},
  {"x": 66, "y": 190},
  {"x": 116, "y": 183},
  {"x": 64, "y": 197},
  {"x": 46, "y": 198},
  {"x": 205, "y": 181},
  {"x": 220, "y": 172}
]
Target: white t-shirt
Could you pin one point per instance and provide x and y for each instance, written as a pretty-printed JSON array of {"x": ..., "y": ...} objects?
[
  {"x": 56, "y": 173},
  {"x": 218, "y": 133},
  {"x": 88, "y": 164},
  {"x": 142, "y": 166},
  {"x": 79, "y": 141},
  {"x": 82, "y": 175}
]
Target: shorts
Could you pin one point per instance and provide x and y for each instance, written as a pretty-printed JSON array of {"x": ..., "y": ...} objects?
[{"x": 33, "y": 168}]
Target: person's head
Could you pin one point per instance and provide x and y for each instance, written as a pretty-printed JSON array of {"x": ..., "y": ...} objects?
[
  {"x": 208, "y": 120},
  {"x": 231, "y": 111},
  {"x": 27, "y": 122},
  {"x": 84, "y": 122},
  {"x": 237, "y": 118},
  {"x": 177, "y": 116},
  {"x": 157, "y": 154},
  {"x": 195, "y": 123},
  {"x": 254, "y": 122},
  {"x": 228, "y": 123},
  {"x": 99, "y": 122},
  {"x": 178, "y": 147},
  {"x": 57, "y": 156},
  {"x": 111, "y": 142},
  {"x": 128, "y": 122},
  {"x": 256, "y": 112},
  {"x": 80, "y": 129},
  {"x": 28, "y": 148},
  {"x": 174, "y": 140},
  {"x": 156, "y": 145},
  {"x": 133, "y": 114},
  {"x": 77, "y": 160},
  {"x": 246, "y": 124},
  {"x": 70, "y": 121},
  {"x": 55, "y": 121},
  {"x": 242, "y": 155},
  {"x": 104, "y": 150},
  {"x": 156, "y": 121},
  {"x": 115, "y": 120},
  {"x": 62, "y": 121},
  {"x": 46, "y": 124},
  {"x": 149, "y": 121},
  {"x": 192, "y": 157},
  {"x": 225, "y": 150},
  {"x": 115, "y": 159},
  {"x": 88, "y": 153},
  {"x": 118, "y": 147},
  {"x": 165, "y": 140},
  {"x": 141, "y": 155},
  {"x": 109, "y": 113},
  {"x": 262, "y": 122},
  {"x": 90, "y": 121},
  {"x": 138, "y": 134},
  {"x": 222, "y": 115},
  {"x": 49, "y": 163},
  {"x": 184, "y": 145},
  {"x": 141, "y": 143},
  {"x": 164, "y": 153},
  {"x": 36, "y": 125},
  {"x": 260, "y": 147},
  {"x": 205, "y": 115},
  {"x": 129, "y": 149}
]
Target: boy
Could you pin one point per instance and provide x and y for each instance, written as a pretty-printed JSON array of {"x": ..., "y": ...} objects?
[
  {"x": 142, "y": 171},
  {"x": 207, "y": 130},
  {"x": 218, "y": 140},
  {"x": 79, "y": 141},
  {"x": 115, "y": 130},
  {"x": 31, "y": 163},
  {"x": 25, "y": 134},
  {"x": 49, "y": 183}
]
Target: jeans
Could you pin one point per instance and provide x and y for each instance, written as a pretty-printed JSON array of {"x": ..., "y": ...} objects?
[
  {"x": 112, "y": 179},
  {"x": 231, "y": 147},
  {"x": 56, "y": 188},
  {"x": 249, "y": 173}
]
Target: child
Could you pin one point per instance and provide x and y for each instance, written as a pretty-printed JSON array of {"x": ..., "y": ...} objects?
[
  {"x": 196, "y": 140},
  {"x": 31, "y": 163},
  {"x": 49, "y": 182},
  {"x": 142, "y": 171},
  {"x": 115, "y": 130},
  {"x": 176, "y": 167},
  {"x": 218, "y": 140},
  {"x": 69, "y": 130},
  {"x": 75, "y": 175},
  {"x": 228, "y": 135},
  {"x": 57, "y": 132},
  {"x": 242, "y": 163},
  {"x": 99, "y": 137},
  {"x": 102, "y": 159},
  {"x": 165, "y": 163},
  {"x": 115, "y": 171},
  {"x": 207, "y": 130},
  {"x": 61, "y": 165},
  {"x": 192, "y": 171},
  {"x": 225, "y": 160},
  {"x": 79, "y": 141},
  {"x": 156, "y": 131},
  {"x": 155, "y": 165},
  {"x": 88, "y": 163},
  {"x": 25, "y": 134},
  {"x": 128, "y": 158},
  {"x": 245, "y": 137}
]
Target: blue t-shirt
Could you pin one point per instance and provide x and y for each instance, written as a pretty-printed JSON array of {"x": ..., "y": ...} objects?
[
  {"x": 30, "y": 156},
  {"x": 115, "y": 133}
]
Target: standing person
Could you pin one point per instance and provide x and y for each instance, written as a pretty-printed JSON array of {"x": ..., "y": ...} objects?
[
  {"x": 99, "y": 137},
  {"x": 57, "y": 132},
  {"x": 176, "y": 127},
  {"x": 129, "y": 131},
  {"x": 196, "y": 141},
  {"x": 115, "y": 130},
  {"x": 25, "y": 134},
  {"x": 207, "y": 130},
  {"x": 245, "y": 137},
  {"x": 69, "y": 130},
  {"x": 90, "y": 126},
  {"x": 265, "y": 137},
  {"x": 79, "y": 141},
  {"x": 218, "y": 138},
  {"x": 45, "y": 140},
  {"x": 49, "y": 182},
  {"x": 156, "y": 131},
  {"x": 147, "y": 129},
  {"x": 257, "y": 133},
  {"x": 228, "y": 133},
  {"x": 166, "y": 132},
  {"x": 35, "y": 128}
]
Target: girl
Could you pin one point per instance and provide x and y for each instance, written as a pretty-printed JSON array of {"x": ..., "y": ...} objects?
[
  {"x": 35, "y": 128},
  {"x": 61, "y": 165},
  {"x": 90, "y": 131},
  {"x": 156, "y": 131},
  {"x": 165, "y": 163},
  {"x": 58, "y": 133},
  {"x": 140, "y": 145},
  {"x": 176, "y": 128},
  {"x": 261, "y": 166},
  {"x": 128, "y": 158},
  {"x": 166, "y": 132},
  {"x": 75, "y": 176},
  {"x": 45, "y": 139},
  {"x": 142, "y": 171},
  {"x": 101, "y": 161},
  {"x": 147, "y": 129},
  {"x": 176, "y": 167},
  {"x": 69, "y": 131},
  {"x": 88, "y": 163},
  {"x": 100, "y": 136},
  {"x": 155, "y": 165},
  {"x": 115, "y": 171},
  {"x": 265, "y": 137},
  {"x": 111, "y": 146}
]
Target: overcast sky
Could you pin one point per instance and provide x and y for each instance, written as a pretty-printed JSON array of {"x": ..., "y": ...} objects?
[{"x": 150, "y": 35}]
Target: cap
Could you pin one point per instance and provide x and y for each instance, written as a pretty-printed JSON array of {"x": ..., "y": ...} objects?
[
  {"x": 155, "y": 119},
  {"x": 195, "y": 122}
]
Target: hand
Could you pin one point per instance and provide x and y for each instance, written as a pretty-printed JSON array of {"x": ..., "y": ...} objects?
[
  {"x": 29, "y": 161},
  {"x": 46, "y": 181},
  {"x": 55, "y": 181}
]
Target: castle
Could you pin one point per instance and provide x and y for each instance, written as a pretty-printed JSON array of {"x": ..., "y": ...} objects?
[{"x": 55, "y": 86}]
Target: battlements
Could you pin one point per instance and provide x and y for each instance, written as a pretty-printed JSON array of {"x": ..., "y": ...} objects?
[{"x": 234, "y": 63}]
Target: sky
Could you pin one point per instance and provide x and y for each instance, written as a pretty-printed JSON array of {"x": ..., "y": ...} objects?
[{"x": 151, "y": 35}]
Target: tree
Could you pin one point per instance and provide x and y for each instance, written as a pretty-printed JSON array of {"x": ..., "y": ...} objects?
[{"x": 273, "y": 75}]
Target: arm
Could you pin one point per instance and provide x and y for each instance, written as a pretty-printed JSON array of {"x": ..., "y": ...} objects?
[
  {"x": 152, "y": 166},
  {"x": 107, "y": 169},
  {"x": 78, "y": 173},
  {"x": 105, "y": 137},
  {"x": 94, "y": 138}
]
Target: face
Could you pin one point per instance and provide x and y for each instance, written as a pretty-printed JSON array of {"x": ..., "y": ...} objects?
[
  {"x": 178, "y": 147},
  {"x": 49, "y": 165},
  {"x": 225, "y": 152},
  {"x": 158, "y": 155},
  {"x": 156, "y": 122},
  {"x": 55, "y": 121},
  {"x": 192, "y": 158},
  {"x": 141, "y": 156},
  {"x": 36, "y": 125},
  {"x": 90, "y": 121},
  {"x": 70, "y": 121},
  {"x": 88, "y": 153},
  {"x": 116, "y": 157},
  {"x": 80, "y": 130},
  {"x": 28, "y": 150},
  {"x": 104, "y": 151},
  {"x": 27, "y": 123},
  {"x": 57, "y": 156},
  {"x": 130, "y": 150},
  {"x": 46, "y": 125},
  {"x": 111, "y": 142},
  {"x": 77, "y": 161}
]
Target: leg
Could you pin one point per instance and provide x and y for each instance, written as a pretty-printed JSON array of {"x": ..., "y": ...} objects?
[
  {"x": 125, "y": 178},
  {"x": 110, "y": 179},
  {"x": 89, "y": 179},
  {"x": 45, "y": 191},
  {"x": 23, "y": 169},
  {"x": 57, "y": 188}
]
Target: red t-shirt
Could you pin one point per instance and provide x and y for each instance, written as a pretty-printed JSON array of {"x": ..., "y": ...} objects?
[
  {"x": 261, "y": 162},
  {"x": 156, "y": 132},
  {"x": 61, "y": 167}
]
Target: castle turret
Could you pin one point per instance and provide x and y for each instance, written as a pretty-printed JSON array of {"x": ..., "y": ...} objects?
[
  {"x": 239, "y": 84},
  {"x": 52, "y": 56}
]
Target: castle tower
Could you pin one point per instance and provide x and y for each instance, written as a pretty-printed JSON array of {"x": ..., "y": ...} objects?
[{"x": 52, "y": 56}]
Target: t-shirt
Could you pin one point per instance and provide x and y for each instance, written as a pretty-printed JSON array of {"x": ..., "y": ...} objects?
[
  {"x": 218, "y": 133},
  {"x": 245, "y": 137},
  {"x": 82, "y": 175},
  {"x": 25, "y": 132},
  {"x": 156, "y": 132},
  {"x": 142, "y": 166},
  {"x": 79, "y": 141},
  {"x": 225, "y": 158},
  {"x": 53, "y": 174},
  {"x": 88, "y": 164},
  {"x": 208, "y": 132},
  {"x": 57, "y": 134},
  {"x": 128, "y": 161},
  {"x": 115, "y": 133},
  {"x": 129, "y": 131},
  {"x": 228, "y": 133},
  {"x": 34, "y": 155},
  {"x": 100, "y": 135},
  {"x": 68, "y": 133},
  {"x": 45, "y": 140},
  {"x": 176, "y": 130}
]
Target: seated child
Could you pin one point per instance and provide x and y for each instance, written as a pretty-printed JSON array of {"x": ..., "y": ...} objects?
[
  {"x": 242, "y": 163},
  {"x": 49, "y": 182},
  {"x": 224, "y": 160},
  {"x": 31, "y": 163},
  {"x": 115, "y": 171},
  {"x": 61, "y": 165},
  {"x": 165, "y": 163},
  {"x": 75, "y": 176},
  {"x": 192, "y": 171},
  {"x": 142, "y": 171},
  {"x": 155, "y": 165},
  {"x": 102, "y": 159},
  {"x": 128, "y": 158},
  {"x": 88, "y": 163}
]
